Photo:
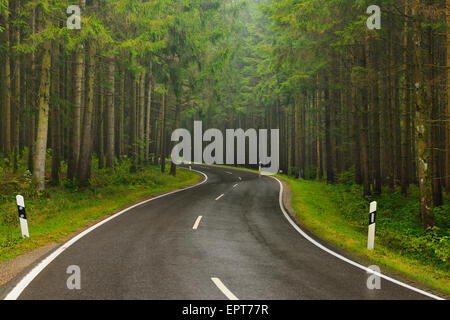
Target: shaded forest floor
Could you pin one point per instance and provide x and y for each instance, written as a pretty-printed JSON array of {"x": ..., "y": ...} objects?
[
  {"x": 339, "y": 215},
  {"x": 63, "y": 209}
]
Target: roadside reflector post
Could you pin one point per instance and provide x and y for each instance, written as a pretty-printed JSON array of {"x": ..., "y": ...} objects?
[
  {"x": 372, "y": 216},
  {"x": 22, "y": 216}
]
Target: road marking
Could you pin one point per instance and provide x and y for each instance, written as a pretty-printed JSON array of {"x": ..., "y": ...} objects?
[
  {"x": 240, "y": 178},
  {"x": 220, "y": 196},
  {"x": 320, "y": 246},
  {"x": 228, "y": 172},
  {"x": 235, "y": 185},
  {"x": 18, "y": 289},
  {"x": 197, "y": 222},
  {"x": 317, "y": 244},
  {"x": 224, "y": 289}
]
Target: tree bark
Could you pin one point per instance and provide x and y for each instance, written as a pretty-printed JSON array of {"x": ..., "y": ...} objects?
[
  {"x": 421, "y": 124},
  {"x": 42, "y": 130},
  {"x": 7, "y": 86},
  {"x": 17, "y": 93},
  {"x": 148, "y": 117},
  {"x": 84, "y": 163},
  {"x": 142, "y": 117},
  {"x": 110, "y": 114},
  {"x": 55, "y": 122},
  {"x": 163, "y": 133},
  {"x": 447, "y": 147},
  {"x": 133, "y": 126}
]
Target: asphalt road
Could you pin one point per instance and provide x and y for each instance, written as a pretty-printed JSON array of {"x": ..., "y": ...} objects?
[{"x": 242, "y": 247}]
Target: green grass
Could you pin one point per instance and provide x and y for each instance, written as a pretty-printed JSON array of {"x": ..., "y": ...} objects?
[
  {"x": 62, "y": 210},
  {"x": 339, "y": 215}
]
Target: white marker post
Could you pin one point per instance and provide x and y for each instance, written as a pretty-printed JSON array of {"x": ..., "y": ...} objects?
[
  {"x": 22, "y": 216},
  {"x": 259, "y": 167},
  {"x": 372, "y": 215}
]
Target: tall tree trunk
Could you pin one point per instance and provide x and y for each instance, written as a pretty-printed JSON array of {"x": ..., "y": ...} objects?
[
  {"x": 328, "y": 142},
  {"x": 364, "y": 130},
  {"x": 122, "y": 116},
  {"x": 318, "y": 131},
  {"x": 447, "y": 147},
  {"x": 77, "y": 110},
  {"x": 110, "y": 114},
  {"x": 148, "y": 116},
  {"x": 7, "y": 85},
  {"x": 372, "y": 54},
  {"x": 133, "y": 126},
  {"x": 54, "y": 114},
  {"x": 297, "y": 135},
  {"x": 422, "y": 124},
  {"x": 42, "y": 130},
  {"x": 406, "y": 139},
  {"x": 84, "y": 163},
  {"x": 100, "y": 126},
  {"x": 17, "y": 92},
  {"x": 163, "y": 133},
  {"x": 31, "y": 88},
  {"x": 356, "y": 152},
  {"x": 142, "y": 117}
]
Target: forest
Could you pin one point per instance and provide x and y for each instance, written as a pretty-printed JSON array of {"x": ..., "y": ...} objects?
[{"x": 354, "y": 105}]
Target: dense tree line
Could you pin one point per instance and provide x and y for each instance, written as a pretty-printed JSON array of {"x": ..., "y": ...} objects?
[
  {"x": 111, "y": 89},
  {"x": 353, "y": 104}
]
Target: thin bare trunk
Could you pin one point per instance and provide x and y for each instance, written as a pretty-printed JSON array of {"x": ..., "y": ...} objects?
[
  {"x": 84, "y": 163},
  {"x": 42, "y": 130},
  {"x": 110, "y": 115}
]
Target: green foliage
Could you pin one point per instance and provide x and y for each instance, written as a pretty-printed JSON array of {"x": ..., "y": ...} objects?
[
  {"x": 398, "y": 222},
  {"x": 310, "y": 173},
  {"x": 339, "y": 214},
  {"x": 293, "y": 172},
  {"x": 346, "y": 177},
  {"x": 9, "y": 219}
]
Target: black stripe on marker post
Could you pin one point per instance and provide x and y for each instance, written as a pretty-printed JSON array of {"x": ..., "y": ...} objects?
[
  {"x": 372, "y": 217},
  {"x": 22, "y": 216},
  {"x": 371, "y": 231},
  {"x": 22, "y": 213}
]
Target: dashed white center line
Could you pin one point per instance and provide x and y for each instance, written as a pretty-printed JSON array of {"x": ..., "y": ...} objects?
[
  {"x": 197, "y": 222},
  {"x": 228, "y": 172},
  {"x": 224, "y": 289},
  {"x": 220, "y": 196},
  {"x": 240, "y": 178},
  {"x": 235, "y": 185}
]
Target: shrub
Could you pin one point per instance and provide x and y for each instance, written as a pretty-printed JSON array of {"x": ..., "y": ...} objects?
[{"x": 293, "y": 172}]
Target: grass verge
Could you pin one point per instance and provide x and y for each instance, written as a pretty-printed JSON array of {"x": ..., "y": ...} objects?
[
  {"x": 62, "y": 210},
  {"x": 338, "y": 214}
]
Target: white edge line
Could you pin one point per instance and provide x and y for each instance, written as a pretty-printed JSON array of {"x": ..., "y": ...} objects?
[
  {"x": 317, "y": 244},
  {"x": 224, "y": 289},
  {"x": 20, "y": 287},
  {"x": 307, "y": 237},
  {"x": 220, "y": 196},
  {"x": 197, "y": 222}
]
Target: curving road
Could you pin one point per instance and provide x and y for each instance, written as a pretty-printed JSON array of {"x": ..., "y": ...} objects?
[{"x": 226, "y": 238}]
